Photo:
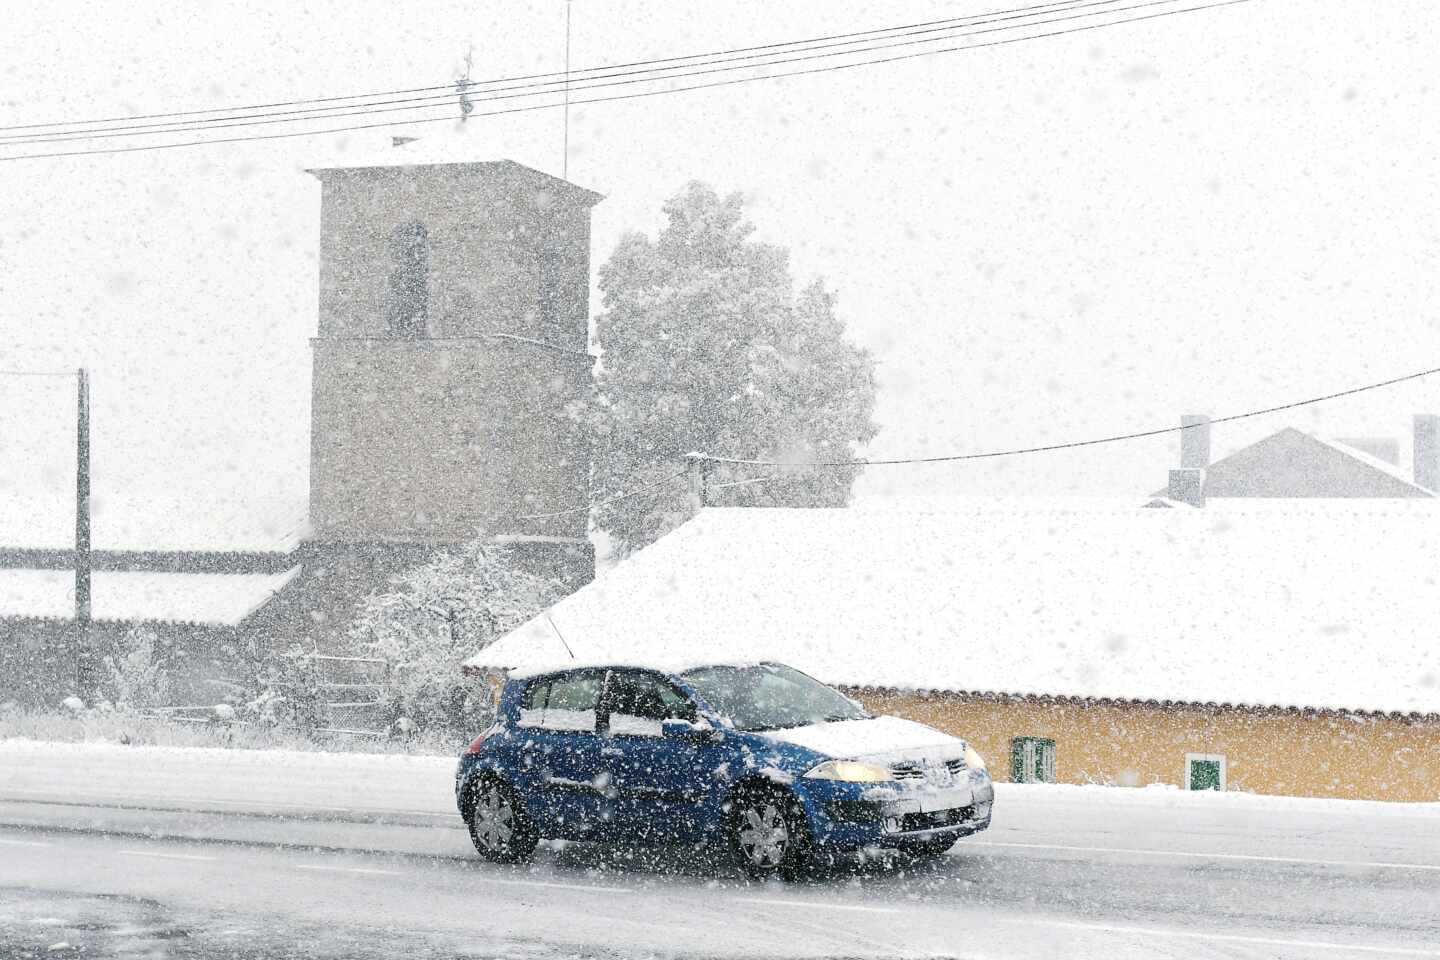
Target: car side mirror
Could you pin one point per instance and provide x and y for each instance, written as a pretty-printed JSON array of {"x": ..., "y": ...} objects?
[{"x": 680, "y": 729}]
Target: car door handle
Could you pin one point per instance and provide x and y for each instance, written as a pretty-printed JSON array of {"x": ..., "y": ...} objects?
[{"x": 611, "y": 752}]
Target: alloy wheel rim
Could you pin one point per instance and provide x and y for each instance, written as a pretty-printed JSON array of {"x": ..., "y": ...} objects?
[
  {"x": 764, "y": 835},
  {"x": 494, "y": 820}
]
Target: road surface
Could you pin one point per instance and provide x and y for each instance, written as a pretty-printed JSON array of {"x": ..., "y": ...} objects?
[{"x": 105, "y": 852}]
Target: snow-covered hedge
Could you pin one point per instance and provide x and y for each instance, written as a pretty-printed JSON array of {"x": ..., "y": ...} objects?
[{"x": 437, "y": 615}]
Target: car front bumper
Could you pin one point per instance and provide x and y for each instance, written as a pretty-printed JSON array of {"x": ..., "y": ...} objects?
[{"x": 850, "y": 816}]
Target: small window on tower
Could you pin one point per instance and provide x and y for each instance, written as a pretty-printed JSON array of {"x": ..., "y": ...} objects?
[{"x": 408, "y": 302}]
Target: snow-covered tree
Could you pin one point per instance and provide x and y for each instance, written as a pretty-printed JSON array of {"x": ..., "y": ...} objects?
[
  {"x": 707, "y": 346},
  {"x": 135, "y": 675},
  {"x": 436, "y": 616}
]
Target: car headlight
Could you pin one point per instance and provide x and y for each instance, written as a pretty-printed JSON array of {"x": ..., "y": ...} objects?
[
  {"x": 973, "y": 760},
  {"x": 851, "y": 771}
]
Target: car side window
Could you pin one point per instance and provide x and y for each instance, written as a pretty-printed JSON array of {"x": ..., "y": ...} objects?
[
  {"x": 637, "y": 703},
  {"x": 566, "y": 702}
]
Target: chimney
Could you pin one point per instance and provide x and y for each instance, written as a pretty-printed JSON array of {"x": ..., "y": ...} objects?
[
  {"x": 1187, "y": 485},
  {"x": 1195, "y": 441},
  {"x": 1427, "y": 451}
]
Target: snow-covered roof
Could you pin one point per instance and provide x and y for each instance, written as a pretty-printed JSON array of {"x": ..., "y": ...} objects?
[
  {"x": 1310, "y": 604},
  {"x": 433, "y": 145},
  {"x": 1367, "y": 458},
  {"x": 1289, "y": 435},
  {"x": 151, "y": 523},
  {"x": 220, "y": 599}
]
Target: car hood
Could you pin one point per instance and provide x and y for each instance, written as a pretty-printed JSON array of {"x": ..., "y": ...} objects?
[{"x": 883, "y": 739}]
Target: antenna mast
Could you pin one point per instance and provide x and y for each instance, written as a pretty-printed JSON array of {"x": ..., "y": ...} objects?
[
  {"x": 565, "y": 155},
  {"x": 463, "y": 86}
]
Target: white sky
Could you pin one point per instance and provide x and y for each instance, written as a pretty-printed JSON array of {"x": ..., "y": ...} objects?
[{"x": 1042, "y": 241}]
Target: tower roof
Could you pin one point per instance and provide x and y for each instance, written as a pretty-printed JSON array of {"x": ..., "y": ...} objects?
[{"x": 455, "y": 148}]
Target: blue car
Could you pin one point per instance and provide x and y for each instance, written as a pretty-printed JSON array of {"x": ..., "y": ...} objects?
[{"x": 784, "y": 771}]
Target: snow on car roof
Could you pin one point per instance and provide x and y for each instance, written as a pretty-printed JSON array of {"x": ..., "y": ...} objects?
[
  {"x": 222, "y": 599},
  {"x": 670, "y": 665},
  {"x": 1311, "y": 604}
]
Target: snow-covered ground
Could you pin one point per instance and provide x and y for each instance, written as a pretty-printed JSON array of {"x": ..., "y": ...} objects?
[
  {"x": 364, "y": 855},
  {"x": 201, "y": 778}
]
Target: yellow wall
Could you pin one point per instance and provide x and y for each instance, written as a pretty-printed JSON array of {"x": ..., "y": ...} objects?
[{"x": 1266, "y": 751}]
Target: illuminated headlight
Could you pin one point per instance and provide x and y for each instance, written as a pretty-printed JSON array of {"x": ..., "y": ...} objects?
[
  {"x": 851, "y": 771},
  {"x": 973, "y": 760}
]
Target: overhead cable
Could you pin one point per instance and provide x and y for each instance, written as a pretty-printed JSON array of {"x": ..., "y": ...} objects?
[
  {"x": 646, "y": 93},
  {"x": 1069, "y": 445},
  {"x": 600, "y": 503},
  {"x": 500, "y": 93},
  {"x": 451, "y": 88}
]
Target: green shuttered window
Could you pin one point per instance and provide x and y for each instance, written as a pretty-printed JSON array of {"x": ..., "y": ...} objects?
[{"x": 1032, "y": 760}]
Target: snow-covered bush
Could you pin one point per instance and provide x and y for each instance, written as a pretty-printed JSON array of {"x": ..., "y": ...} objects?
[
  {"x": 288, "y": 692},
  {"x": 136, "y": 675},
  {"x": 437, "y": 615}
]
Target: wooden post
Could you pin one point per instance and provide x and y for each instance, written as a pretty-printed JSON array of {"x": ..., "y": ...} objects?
[
  {"x": 82, "y": 500},
  {"x": 84, "y": 668},
  {"x": 696, "y": 471}
]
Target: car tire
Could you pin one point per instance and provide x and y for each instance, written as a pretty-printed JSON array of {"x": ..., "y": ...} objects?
[
  {"x": 499, "y": 826},
  {"x": 768, "y": 835}
]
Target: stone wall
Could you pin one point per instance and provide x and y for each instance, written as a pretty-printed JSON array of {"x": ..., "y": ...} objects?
[
  {"x": 438, "y": 441},
  {"x": 40, "y": 660}
]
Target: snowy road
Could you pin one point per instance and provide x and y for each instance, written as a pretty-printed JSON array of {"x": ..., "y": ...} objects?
[{"x": 119, "y": 849}]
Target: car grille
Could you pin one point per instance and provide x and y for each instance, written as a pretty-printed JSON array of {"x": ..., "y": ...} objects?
[
  {"x": 936, "y": 820},
  {"x": 914, "y": 770}
]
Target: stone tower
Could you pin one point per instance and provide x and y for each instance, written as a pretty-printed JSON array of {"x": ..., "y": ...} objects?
[{"x": 453, "y": 332}]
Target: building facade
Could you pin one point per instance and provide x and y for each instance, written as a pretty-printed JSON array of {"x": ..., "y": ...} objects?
[
  {"x": 1293, "y": 464},
  {"x": 1279, "y": 646},
  {"x": 1355, "y": 755}
]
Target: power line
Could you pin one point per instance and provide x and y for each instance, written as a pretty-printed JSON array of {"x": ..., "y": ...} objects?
[
  {"x": 601, "y": 82},
  {"x": 646, "y": 93},
  {"x": 600, "y": 503},
  {"x": 1071, "y": 444},
  {"x": 536, "y": 76},
  {"x": 38, "y": 373},
  {"x": 741, "y": 483}
]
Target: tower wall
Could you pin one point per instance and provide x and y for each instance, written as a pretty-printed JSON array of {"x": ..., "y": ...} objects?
[
  {"x": 452, "y": 344},
  {"x": 436, "y": 440}
]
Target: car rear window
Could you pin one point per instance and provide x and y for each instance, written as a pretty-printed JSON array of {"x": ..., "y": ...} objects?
[{"x": 565, "y": 702}]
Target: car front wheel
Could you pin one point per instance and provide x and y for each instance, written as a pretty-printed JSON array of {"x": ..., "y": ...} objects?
[
  {"x": 768, "y": 835},
  {"x": 499, "y": 826}
]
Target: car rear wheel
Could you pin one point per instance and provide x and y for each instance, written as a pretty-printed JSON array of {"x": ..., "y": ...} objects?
[
  {"x": 768, "y": 835},
  {"x": 499, "y": 826}
]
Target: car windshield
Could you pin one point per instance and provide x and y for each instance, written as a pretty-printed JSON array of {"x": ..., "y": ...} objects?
[{"x": 769, "y": 696}]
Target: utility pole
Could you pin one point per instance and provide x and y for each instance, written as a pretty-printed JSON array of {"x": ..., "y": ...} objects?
[{"x": 82, "y": 533}]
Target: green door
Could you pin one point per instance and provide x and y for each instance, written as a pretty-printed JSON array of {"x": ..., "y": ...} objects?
[{"x": 1204, "y": 774}]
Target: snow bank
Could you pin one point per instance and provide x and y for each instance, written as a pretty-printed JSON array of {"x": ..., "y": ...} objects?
[
  {"x": 206, "y": 778},
  {"x": 1167, "y": 796},
  {"x": 210, "y": 778}
]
